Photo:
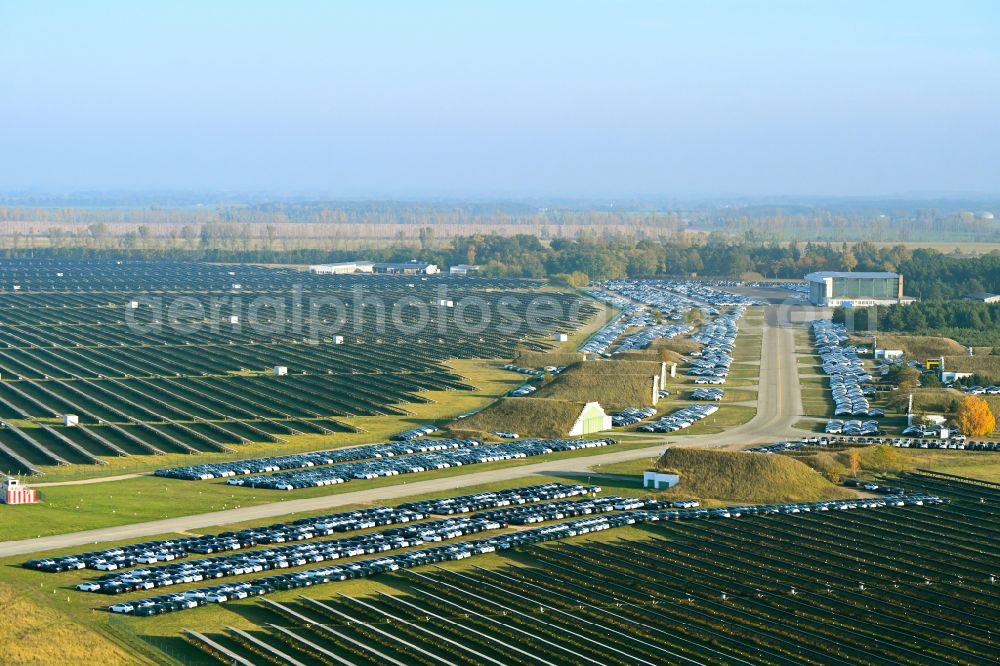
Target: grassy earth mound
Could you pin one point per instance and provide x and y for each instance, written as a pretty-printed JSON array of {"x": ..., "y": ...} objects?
[
  {"x": 534, "y": 417},
  {"x": 919, "y": 347},
  {"x": 536, "y": 359},
  {"x": 612, "y": 391},
  {"x": 744, "y": 477}
]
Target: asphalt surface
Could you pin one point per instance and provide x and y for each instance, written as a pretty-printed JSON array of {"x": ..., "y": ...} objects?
[{"x": 779, "y": 406}]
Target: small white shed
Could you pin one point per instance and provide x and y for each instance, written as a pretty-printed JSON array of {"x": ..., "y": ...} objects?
[
  {"x": 656, "y": 480},
  {"x": 280, "y": 370},
  {"x": 561, "y": 337},
  {"x": 71, "y": 420}
]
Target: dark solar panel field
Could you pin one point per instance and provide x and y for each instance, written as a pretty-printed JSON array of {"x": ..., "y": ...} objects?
[{"x": 171, "y": 357}]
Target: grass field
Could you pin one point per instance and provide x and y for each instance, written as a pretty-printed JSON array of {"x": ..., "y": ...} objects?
[{"x": 726, "y": 417}]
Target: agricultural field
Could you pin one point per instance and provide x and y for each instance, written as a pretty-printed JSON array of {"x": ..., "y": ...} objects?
[
  {"x": 163, "y": 358},
  {"x": 820, "y": 587}
]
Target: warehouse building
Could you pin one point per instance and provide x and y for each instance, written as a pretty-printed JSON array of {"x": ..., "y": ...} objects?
[
  {"x": 984, "y": 298},
  {"x": 835, "y": 288},
  {"x": 350, "y": 267},
  {"x": 406, "y": 268},
  {"x": 343, "y": 268}
]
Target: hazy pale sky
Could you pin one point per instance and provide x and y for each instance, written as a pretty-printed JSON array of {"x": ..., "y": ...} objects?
[{"x": 508, "y": 98}]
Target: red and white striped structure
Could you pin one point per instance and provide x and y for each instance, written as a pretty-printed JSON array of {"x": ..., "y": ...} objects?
[{"x": 12, "y": 492}]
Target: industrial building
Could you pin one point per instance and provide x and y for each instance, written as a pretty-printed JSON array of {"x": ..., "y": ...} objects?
[
  {"x": 351, "y": 267},
  {"x": 343, "y": 268},
  {"x": 984, "y": 298},
  {"x": 835, "y": 288},
  {"x": 406, "y": 268},
  {"x": 463, "y": 269}
]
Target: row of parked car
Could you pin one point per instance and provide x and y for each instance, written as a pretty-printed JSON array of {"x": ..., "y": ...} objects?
[
  {"x": 233, "y": 468},
  {"x": 540, "y": 513},
  {"x": 630, "y": 415},
  {"x": 290, "y": 556},
  {"x": 302, "y": 529},
  {"x": 650, "y": 334},
  {"x": 412, "y": 464},
  {"x": 718, "y": 338},
  {"x": 954, "y": 442},
  {"x": 413, "y": 433},
  {"x": 384, "y": 564},
  {"x": 715, "y": 394},
  {"x": 601, "y": 341},
  {"x": 523, "y": 390},
  {"x": 523, "y": 371},
  {"x": 981, "y": 390},
  {"x": 680, "y": 419},
  {"x": 655, "y": 296},
  {"x": 897, "y": 498},
  {"x": 396, "y": 538},
  {"x": 152, "y": 552},
  {"x": 543, "y": 492},
  {"x": 661, "y": 316},
  {"x": 852, "y": 427},
  {"x": 363, "y": 568},
  {"x": 714, "y": 293},
  {"x": 848, "y": 375}
]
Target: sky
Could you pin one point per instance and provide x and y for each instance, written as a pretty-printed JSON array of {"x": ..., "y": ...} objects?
[{"x": 501, "y": 98}]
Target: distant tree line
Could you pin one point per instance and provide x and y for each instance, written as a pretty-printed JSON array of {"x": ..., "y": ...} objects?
[{"x": 928, "y": 274}]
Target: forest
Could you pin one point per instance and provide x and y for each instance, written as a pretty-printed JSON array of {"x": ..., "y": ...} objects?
[{"x": 970, "y": 322}]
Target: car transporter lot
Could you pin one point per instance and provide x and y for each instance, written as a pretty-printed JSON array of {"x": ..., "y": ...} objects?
[{"x": 417, "y": 571}]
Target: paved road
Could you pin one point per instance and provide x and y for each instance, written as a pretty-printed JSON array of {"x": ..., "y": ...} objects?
[
  {"x": 779, "y": 406},
  {"x": 86, "y": 482}
]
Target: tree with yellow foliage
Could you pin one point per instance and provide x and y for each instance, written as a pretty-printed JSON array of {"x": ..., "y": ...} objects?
[
  {"x": 855, "y": 461},
  {"x": 974, "y": 417}
]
